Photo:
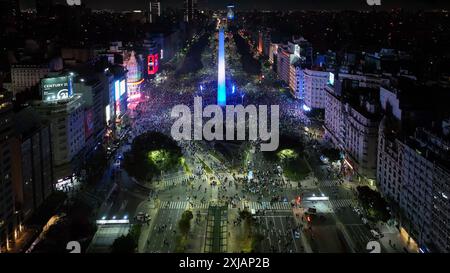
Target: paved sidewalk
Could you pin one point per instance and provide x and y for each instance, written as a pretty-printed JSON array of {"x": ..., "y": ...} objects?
[{"x": 394, "y": 242}]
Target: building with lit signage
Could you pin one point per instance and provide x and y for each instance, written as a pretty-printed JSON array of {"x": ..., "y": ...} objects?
[
  {"x": 292, "y": 58},
  {"x": 313, "y": 89},
  {"x": 64, "y": 110},
  {"x": 118, "y": 96},
  {"x": 134, "y": 77},
  {"x": 152, "y": 63},
  {"x": 94, "y": 92}
]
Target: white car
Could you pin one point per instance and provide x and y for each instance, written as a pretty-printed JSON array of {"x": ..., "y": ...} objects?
[{"x": 375, "y": 234}]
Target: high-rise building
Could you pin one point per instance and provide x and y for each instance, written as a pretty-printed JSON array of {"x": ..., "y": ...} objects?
[
  {"x": 413, "y": 170},
  {"x": 65, "y": 113},
  {"x": 32, "y": 162},
  {"x": 291, "y": 60},
  {"x": 283, "y": 63},
  {"x": 230, "y": 12},
  {"x": 273, "y": 51},
  {"x": 352, "y": 116},
  {"x": 7, "y": 221},
  {"x": 313, "y": 89},
  {"x": 190, "y": 10},
  {"x": 134, "y": 77},
  {"x": 154, "y": 12},
  {"x": 94, "y": 93}
]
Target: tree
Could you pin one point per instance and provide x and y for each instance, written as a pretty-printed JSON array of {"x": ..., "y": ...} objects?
[
  {"x": 332, "y": 154},
  {"x": 124, "y": 244},
  {"x": 373, "y": 203},
  {"x": 151, "y": 153},
  {"x": 185, "y": 222}
]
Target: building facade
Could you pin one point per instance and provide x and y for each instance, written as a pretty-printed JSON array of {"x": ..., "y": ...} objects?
[
  {"x": 154, "y": 12},
  {"x": 190, "y": 11},
  {"x": 313, "y": 91},
  {"x": 7, "y": 219},
  {"x": 352, "y": 117},
  {"x": 24, "y": 76},
  {"x": 32, "y": 168},
  {"x": 66, "y": 118},
  {"x": 413, "y": 171}
]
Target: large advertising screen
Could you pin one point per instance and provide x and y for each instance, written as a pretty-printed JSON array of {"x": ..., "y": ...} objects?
[
  {"x": 153, "y": 64},
  {"x": 123, "y": 88},
  {"x": 117, "y": 90},
  {"x": 108, "y": 113},
  {"x": 56, "y": 88}
]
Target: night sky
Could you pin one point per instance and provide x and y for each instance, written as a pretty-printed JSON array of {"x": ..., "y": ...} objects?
[{"x": 261, "y": 4}]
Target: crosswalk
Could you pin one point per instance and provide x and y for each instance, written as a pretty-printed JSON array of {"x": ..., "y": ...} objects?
[
  {"x": 182, "y": 205},
  {"x": 340, "y": 203},
  {"x": 329, "y": 183},
  {"x": 173, "y": 181},
  {"x": 242, "y": 205}
]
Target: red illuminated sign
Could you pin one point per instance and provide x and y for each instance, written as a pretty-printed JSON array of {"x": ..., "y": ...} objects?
[{"x": 152, "y": 64}]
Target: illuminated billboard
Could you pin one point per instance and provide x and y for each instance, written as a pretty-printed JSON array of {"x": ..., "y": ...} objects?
[
  {"x": 117, "y": 90},
  {"x": 331, "y": 79},
  {"x": 123, "y": 88},
  {"x": 56, "y": 88},
  {"x": 152, "y": 64},
  {"x": 108, "y": 113}
]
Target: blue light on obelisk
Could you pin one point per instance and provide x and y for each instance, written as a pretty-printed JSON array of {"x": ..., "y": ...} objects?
[{"x": 221, "y": 87}]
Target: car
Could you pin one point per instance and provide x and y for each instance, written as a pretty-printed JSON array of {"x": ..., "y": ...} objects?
[
  {"x": 142, "y": 217},
  {"x": 296, "y": 234},
  {"x": 375, "y": 234},
  {"x": 312, "y": 211}
]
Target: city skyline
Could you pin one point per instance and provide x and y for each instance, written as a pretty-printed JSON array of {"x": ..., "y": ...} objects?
[
  {"x": 262, "y": 5},
  {"x": 224, "y": 132}
]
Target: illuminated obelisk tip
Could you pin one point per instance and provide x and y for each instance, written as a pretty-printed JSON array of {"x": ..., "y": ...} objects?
[{"x": 221, "y": 86}]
